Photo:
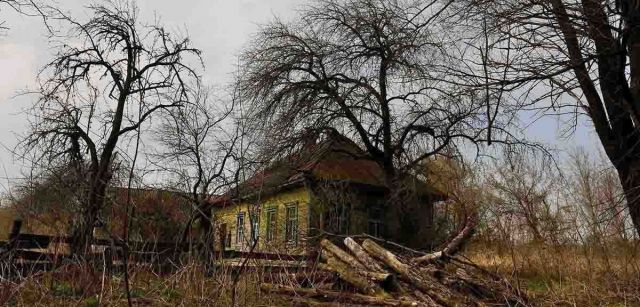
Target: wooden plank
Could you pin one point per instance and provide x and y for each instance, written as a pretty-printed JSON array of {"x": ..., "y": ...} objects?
[
  {"x": 28, "y": 255},
  {"x": 15, "y": 229},
  {"x": 28, "y": 241}
]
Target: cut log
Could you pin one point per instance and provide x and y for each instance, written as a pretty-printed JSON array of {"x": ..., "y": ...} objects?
[
  {"x": 342, "y": 255},
  {"x": 428, "y": 258},
  {"x": 386, "y": 279},
  {"x": 385, "y": 256},
  {"x": 362, "y": 255},
  {"x": 355, "y": 278},
  {"x": 455, "y": 244},
  {"x": 333, "y": 296},
  {"x": 423, "y": 283},
  {"x": 372, "y": 276}
]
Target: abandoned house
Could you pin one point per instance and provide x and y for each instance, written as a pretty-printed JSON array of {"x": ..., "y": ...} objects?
[{"x": 326, "y": 187}]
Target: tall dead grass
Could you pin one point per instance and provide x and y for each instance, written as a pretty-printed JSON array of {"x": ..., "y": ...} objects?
[
  {"x": 551, "y": 275},
  {"x": 568, "y": 275},
  {"x": 78, "y": 285}
]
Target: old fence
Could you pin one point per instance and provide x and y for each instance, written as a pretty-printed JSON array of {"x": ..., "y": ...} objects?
[{"x": 24, "y": 253}]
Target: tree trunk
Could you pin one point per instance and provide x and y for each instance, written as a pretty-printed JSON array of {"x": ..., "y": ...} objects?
[
  {"x": 206, "y": 237},
  {"x": 82, "y": 235},
  {"x": 393, "y": 206},
  {"x": 630, "y": 179}
]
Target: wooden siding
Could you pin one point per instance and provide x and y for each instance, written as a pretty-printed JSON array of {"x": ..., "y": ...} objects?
[{"x": 279, "y": 203}]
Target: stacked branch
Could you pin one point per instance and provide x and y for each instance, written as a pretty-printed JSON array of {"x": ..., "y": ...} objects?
[{"x": 374, "y": 275}]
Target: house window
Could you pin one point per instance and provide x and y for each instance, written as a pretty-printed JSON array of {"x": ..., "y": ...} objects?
[
  {"x": 225, "y": 236},
  {"x": 272, "y": 223},
  {"x": 337, "y": 219},
  {"x": 254, "y": 219},
  {"x": 342, "y": 218},
  {"x": 375, "y": 220},
  {"x": 227, "y": 242},
  {"x": 291, "y": 230},
  {"x": 240, "y": 228}
]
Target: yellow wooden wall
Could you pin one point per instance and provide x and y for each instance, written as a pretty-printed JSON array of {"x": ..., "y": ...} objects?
[{"x": 228, "y": 216}]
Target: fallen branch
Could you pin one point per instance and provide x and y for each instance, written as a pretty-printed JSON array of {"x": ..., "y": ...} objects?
[{"x": 455, "y": 244}]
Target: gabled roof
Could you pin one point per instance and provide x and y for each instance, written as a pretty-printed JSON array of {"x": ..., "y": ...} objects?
[{"x": 332, "y": 158}]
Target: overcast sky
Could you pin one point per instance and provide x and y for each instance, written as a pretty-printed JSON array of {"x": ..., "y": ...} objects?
[{"x": 218, "y": 27}]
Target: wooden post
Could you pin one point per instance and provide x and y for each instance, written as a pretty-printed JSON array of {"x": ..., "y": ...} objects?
[
  {"x": 108, "y": 260},
  {"x": 13, "y": 236},
  {"x": 15, "y": 229}
]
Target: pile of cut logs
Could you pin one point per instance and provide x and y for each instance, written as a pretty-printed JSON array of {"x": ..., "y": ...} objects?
[{"x": 367, "y": 274}]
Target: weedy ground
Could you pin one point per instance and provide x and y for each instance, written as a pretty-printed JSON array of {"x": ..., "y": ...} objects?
[
  {"x": 75, "y": 285},
  {"x": 597, "y": 275},
  {"x": 549, "y": 275}
]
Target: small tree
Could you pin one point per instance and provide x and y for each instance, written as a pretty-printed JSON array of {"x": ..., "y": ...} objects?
[
  {"x": 599, "y": 198},
  {"x": 523, "y": 190},
  {"x": 109, "y": 76},
  {"x": 199, "y": 145}
]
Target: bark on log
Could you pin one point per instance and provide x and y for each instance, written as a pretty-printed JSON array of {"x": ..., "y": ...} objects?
[
  {"x": 465, "y": 234},
  {"x": 355, "y": 278},
  {"x": 398, "y": 281},
  {"x": 369, "y": 275},
  {"x": 428, "y": 258},
  {"x": 342, "y": 255},
  {"x": 385, "y": 256},
  {"x": 455, "y": 244},
  {"x": 327, "y": 295},
  {"x": 404, "y": 271},
  {"x": 362, "y": 255}
]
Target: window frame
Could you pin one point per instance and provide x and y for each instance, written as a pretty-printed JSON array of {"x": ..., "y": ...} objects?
[
  {"x": 271, "y": 218},
  {"x": 377, "y": 220},
  {"x": 292, "y": 224},
  {"x": 254, "y": 227},
  {"x": 227, "y": 243},
  {"x": 240, "y": 231},
  {"x": 343, "y": 218},
  {"x": 226, "y": 236}
]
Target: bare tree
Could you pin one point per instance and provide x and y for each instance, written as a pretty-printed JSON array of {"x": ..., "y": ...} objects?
[
  {"x": 600, "y": 212},
  {"x": 376, "y": 71},
  {"x": 522, "y": 188},
  {"x": 581, "y": 56},
  {"x": 33, "y": 8},
  {"x": 109, "y": 76},
  {"x": 199, "y": 143}
]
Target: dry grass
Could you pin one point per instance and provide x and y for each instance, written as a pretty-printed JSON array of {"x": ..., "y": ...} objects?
[
  {"x": 550, "y": 275},
  {"x": 82, "y": 286},
  {"x": 7, "y": 215},
  {"x": 568, "y": 275}
]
